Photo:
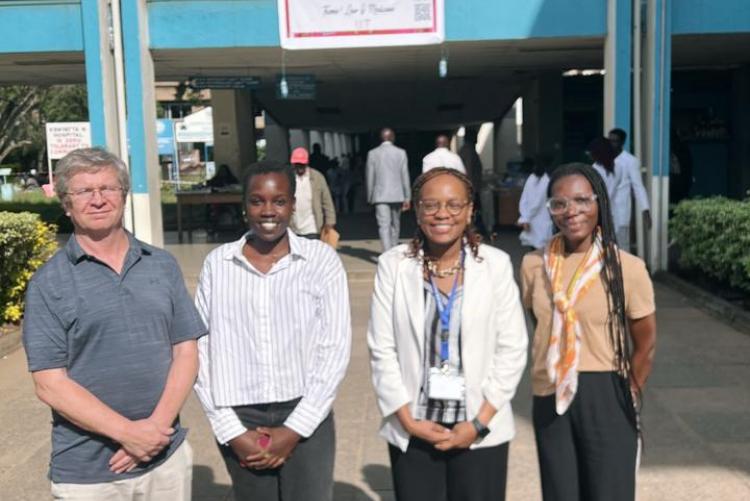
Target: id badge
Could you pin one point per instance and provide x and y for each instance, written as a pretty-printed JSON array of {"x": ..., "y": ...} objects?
[{"x": 445, "y": 385}]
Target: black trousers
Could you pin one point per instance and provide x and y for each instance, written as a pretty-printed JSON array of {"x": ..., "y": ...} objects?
[
  {"x": 588, "y": 453},
  {"x": 423, "y": 473},
  {"x": 306, "y": 476}
]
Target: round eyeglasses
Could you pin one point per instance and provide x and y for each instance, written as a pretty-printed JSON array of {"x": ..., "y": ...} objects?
[{"x": 431, "y": 207}]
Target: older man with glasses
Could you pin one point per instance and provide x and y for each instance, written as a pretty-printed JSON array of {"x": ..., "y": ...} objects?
[{"x": 110, "y": 335}]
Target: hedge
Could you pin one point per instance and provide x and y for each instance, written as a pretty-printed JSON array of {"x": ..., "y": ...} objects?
[
  {"x": 26, "y": 242},
  {"x": 714, "y": 237}
]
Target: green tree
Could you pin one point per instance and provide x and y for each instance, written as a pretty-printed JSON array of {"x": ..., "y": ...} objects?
[{"x": 24, "y": 111}]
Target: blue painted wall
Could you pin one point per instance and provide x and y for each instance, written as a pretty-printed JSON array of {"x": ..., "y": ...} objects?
[
  {"x": 254, "y": 23},
  {"x": 51, "y": 26},
  {"x": 710, "y": 16},
  {"x": 55, "y": 25},
  {"x": 213, "y": 23},
  {"x": 514, "y": 19}
]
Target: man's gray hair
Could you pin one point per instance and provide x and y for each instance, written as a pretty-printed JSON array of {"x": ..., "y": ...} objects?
[{"x": 88, "y": 160}]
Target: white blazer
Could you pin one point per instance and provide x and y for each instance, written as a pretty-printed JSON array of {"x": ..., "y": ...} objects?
[{"x": 493, "y": 344}]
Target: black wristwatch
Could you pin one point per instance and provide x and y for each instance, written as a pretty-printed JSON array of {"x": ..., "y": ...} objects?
[{"x": 482, "y": 430}]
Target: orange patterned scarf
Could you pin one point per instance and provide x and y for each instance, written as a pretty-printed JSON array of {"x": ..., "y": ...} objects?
[{"x": 565, "y": 340}]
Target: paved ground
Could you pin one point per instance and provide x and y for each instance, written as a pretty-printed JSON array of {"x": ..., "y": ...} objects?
[{"x": 696, "y": 411}]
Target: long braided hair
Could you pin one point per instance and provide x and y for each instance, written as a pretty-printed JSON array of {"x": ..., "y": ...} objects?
[
  {"x": 470, "y": 236},
  {"x": 611, "y": 274}
]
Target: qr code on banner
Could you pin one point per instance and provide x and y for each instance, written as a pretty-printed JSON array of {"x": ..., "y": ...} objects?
[{"x": 422, "y": 12}]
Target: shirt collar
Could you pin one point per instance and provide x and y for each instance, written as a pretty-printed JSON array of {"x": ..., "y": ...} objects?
[
  {"x": 76, "y": 253},
  {"x": 297, "y": 247}
]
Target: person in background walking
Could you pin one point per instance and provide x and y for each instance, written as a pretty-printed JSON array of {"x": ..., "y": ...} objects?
[
  {"x": 632, "y": 185},
  {"x": 441, "y": 156},
  {"x": 387, "y": 180},
  {"x": 447, "y": 340},
  {"x": 534, "y": 219},
  {"x": 592, "y": 306},
  {"x": 314, "y": 210},
  {"x": 473, "y": 164}
]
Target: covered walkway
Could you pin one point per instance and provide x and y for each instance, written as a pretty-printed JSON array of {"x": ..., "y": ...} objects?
[{"x": 697, "y": 430}]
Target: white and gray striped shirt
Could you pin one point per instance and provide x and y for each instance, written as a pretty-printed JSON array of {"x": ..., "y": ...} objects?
[{"x": 272, "y": 337}]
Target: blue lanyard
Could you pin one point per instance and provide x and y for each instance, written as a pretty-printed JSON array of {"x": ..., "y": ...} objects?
[{"x": 444, "y": 311}]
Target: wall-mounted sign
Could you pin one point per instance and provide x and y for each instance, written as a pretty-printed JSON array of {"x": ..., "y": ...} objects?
[
  {"x": 320, "y": 24},
  {"x": 300, "y": 87},
  {"x": 224, "y": 82}
]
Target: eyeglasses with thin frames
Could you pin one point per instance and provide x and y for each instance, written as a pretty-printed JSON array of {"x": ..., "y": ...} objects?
[
  {"x": 432, "y": 207},
  {"x": 87, "y": 194}
]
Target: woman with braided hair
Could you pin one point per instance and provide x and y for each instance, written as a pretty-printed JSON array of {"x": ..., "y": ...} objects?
[
  {"x": 447, "y": 341},
  {"x": 595, "y": 333}
]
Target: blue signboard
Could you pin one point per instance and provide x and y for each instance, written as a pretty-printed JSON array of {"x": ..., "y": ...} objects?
[{"x": 165, "y": 136}]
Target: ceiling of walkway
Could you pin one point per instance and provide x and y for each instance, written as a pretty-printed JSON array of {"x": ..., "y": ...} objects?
[{"x": 364, "y": 88}]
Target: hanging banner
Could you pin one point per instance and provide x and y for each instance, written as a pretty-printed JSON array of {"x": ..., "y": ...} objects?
[{"x": 325, "y": 24}]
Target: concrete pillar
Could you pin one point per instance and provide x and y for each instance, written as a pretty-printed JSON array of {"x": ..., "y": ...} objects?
[
  {"x": 739, "y": 180},
  {"x": 234, "y": 129},
  {"x": 277, "y": 141},
  {"x": 299, "y": 138},
  {"x": 100, "y": 75},
  {"x": 617, "y": 66},
  {"x": 657, "y": 68},
  {"x": 141, "y": 105},
  {"x": 328, "y": 147},
  {"x": 542, "y": 116},
  {"x": 507, "y": 146}
]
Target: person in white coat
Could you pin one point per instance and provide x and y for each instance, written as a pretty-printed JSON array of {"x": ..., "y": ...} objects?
[
  {"x": 447, "y": 340},
  {"x": 632, "y": 184},
  {"x": 603, "y": 155},
  {"x": 441, "y": 156},
  {"x": 534, "y": 219}
]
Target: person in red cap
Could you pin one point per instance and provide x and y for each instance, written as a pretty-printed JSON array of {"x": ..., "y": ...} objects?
[{"x": 314, "y": 204}]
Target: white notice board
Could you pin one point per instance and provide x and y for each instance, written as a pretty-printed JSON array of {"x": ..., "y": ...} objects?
[
  {"x": 64, "y": 137},
  {"x": 320, "y": 24}
]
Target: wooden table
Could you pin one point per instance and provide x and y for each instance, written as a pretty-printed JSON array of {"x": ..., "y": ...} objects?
[{"x": 204, "y": 197}]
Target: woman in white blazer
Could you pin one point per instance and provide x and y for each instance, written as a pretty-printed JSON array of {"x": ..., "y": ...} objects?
[{"x": 447, "y": 340}]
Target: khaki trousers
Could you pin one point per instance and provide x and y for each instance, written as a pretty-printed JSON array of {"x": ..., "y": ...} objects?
[{"x": 171, "y": 481}]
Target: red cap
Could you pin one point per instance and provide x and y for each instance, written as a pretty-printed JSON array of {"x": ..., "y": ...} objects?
[{"x": 299, "y": 156}]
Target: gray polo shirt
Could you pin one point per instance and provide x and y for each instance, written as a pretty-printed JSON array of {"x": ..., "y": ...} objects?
[{"x": 114, "y": 335}]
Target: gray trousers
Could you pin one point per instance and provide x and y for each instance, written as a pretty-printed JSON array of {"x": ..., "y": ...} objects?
[
  {"x": 389, "y": 223},
  {"x": 306, "y": 476}
]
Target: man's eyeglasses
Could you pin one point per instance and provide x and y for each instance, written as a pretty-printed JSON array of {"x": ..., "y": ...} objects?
[
  {"x": 431, "y": 207},
  {"x": 86, "y": 194},
  {"x": 558, "y": 205}
]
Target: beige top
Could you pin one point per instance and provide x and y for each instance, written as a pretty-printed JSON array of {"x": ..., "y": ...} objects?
[{"x": 597, "y": 352}]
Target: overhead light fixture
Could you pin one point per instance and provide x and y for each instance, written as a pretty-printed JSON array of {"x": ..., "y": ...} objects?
[
  {"x": 284, "y": 87},
  {"x": 583, "y": 73},
  {"x": 443, "y": 63},
  {"x": 283, "y": 84}
]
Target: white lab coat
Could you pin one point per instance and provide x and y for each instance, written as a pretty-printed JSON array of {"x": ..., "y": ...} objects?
[
  {"x": 625, "y": 179},
  {"x": 532, "y": 209},
  {"x": 442, "y": 157}
]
